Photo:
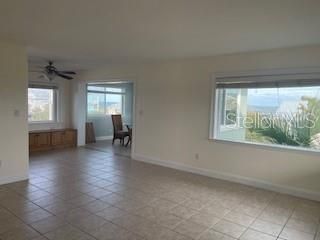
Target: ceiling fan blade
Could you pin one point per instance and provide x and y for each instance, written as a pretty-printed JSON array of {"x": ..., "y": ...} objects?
[
  {"x": 63, "y": 76},
  {"x": 67, "y": 72}
]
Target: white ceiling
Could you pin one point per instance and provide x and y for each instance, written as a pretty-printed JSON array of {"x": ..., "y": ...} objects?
[{"x": 89, "y": 32}]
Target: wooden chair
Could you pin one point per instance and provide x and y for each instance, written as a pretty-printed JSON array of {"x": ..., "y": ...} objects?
[{"x": 118, "y": 132}]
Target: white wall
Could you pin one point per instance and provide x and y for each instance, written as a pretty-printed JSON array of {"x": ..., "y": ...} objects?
[
  {"x": 172, "y": 124},
  {"x": 64, "y": 103},
  {"x": 13, "y": 117}
]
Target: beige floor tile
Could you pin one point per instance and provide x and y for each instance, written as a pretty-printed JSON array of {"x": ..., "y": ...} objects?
[
  {"x": 129, "y": 205},
  {"x": 292, "y": 234},
  {"x": 111, "y": 213},
  {"x": 276, "y": 217},
  {"x": 249, "y": 210},
  {"x": 35, "y": 216},
  {"x": 68, "y": 232},
  {"x": 22, "y": 232},
  {"x": 95, "y": 206},
  {"x": 308, "y": 227},
  {"x": 190, "y": 229},
  {"x": 39, "y": 238},
  {"x": 214, "y": 235},
  {"x": 170, "y": 235},
  {"x": 267, "y": 227},
  {"x": 194, "y": 204},
  {"x": 229, "y": 228},
  {"x": 168, "y": 220},
  {"x": 89, "y": 222},
  {"x": 79, "y": 194},
  {"x": 109, "y": 231},
  {"x": 162, "y": 204},
  {"x": 216, "y": 210},
  {"x": 48, "y": 224},
  {"x": 112, "y": 198},
  {"x": 9, "y": 223},
  {"x": 71, "y": 215},
  {"x": 148, "y": 230},
  {"x": 148, "y": 212},
  {"x": 254, "y": 235},
  {"x": 239, "y": 218},
  {"x": 174, "y": 197},
  {"x": 182, "y": 212},
  {"x": 129, "y": 221},
  {"x": 204, "y": 219}
]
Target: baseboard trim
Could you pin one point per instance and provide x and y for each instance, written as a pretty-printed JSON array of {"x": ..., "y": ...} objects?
[
  {"x": 104, "y": 138},
  {"x": 298, "y": 192},
  {"x": 5, "y": 180}
]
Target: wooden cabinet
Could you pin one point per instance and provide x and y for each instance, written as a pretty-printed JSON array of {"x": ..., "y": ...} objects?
[
  {"x": 39, "y": 141},
  {"x": 57, "y": 138},
  {"x": 52, "y": 139},
  {"x": 70, "y": 138}
]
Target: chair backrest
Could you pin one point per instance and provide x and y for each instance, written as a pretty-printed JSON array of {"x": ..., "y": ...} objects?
[{"x": 117, "y": 122}]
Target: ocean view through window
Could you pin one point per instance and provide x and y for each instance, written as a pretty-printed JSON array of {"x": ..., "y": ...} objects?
[{"x": 277, "y": 116}]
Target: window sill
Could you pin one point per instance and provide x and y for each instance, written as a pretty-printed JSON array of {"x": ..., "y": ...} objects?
[{"x": 281, "y": 148}]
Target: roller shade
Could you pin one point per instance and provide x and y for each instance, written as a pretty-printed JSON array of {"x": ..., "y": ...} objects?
[
  {"x": 268, "y": 80},
  {"x": 42, "y": 86}
]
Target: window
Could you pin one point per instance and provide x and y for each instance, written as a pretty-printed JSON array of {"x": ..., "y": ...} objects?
[
  {"x": 42, "y": 103},
  {"x": 229, "y": 106},
  {"x": 105, "y": 100},
  {"x": 270, "y": 113}
]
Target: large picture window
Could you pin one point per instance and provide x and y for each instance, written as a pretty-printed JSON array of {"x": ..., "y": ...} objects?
[
  {"x": 278, "y": 113},
  {"x": 42, "y": 105},
  {"x": 105, "y": 100}
]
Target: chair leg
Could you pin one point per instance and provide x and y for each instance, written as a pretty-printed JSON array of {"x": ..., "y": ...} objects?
[
  {"x": 113, "y": 141},
  {"x": 129, "y": 141}
]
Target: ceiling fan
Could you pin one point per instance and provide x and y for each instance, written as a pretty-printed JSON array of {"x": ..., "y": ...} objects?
[{"x": 50, "y": 72}]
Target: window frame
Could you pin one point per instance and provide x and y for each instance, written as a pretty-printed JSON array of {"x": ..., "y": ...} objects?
[
  {"x": 308, "y": 73},
  {"x": 55, "y": 101}
]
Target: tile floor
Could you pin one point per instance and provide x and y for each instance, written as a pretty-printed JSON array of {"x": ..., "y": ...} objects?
[
  {"x": 106, "y": 146},
  {"x": 84, "y": 194}
]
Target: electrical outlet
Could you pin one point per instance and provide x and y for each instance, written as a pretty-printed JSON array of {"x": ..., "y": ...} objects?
[{"x": 196, "y": 156}]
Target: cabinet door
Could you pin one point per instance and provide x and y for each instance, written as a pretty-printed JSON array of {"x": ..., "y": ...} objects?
[
  {"x": 43, "y": 140},
  {"x": 32, "y": 141},
  {"x": 70, "y": 137},
  {"x": 57, "y": 138}
]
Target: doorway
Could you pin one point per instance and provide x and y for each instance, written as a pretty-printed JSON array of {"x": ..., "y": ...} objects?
[{"x": 105, "y": 99}]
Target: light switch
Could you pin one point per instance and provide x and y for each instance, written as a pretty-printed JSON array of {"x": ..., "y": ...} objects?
[{"x": 16, "y": 113}]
